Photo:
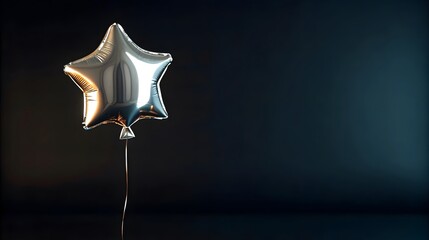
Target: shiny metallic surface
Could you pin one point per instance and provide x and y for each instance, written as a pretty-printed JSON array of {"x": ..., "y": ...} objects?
[{"x": 120, "y": 82}]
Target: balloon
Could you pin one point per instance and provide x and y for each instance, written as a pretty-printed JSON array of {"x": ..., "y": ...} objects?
[{"x": 120, "y": 82}]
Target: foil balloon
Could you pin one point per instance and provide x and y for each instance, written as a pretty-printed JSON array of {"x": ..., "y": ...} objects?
[{"x": 120, "y": 82}]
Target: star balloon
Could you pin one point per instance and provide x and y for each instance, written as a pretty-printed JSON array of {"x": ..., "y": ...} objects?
[{"x": 120, "y": 82}]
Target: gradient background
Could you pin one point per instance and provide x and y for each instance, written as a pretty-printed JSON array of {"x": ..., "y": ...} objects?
[{"x": 276, "y": 107}]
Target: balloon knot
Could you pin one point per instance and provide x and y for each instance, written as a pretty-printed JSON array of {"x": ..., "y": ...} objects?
[{"x": 126, "y": 133}]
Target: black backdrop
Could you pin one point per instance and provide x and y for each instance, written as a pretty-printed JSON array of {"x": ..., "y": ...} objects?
[{"x": 275, "y": 106}]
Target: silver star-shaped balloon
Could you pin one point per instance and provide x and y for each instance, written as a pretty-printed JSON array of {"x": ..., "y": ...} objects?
[{"x": 120, "y": 82}]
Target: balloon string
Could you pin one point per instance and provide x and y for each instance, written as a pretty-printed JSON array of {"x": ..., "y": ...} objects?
[{"x": 126, "y": 189}]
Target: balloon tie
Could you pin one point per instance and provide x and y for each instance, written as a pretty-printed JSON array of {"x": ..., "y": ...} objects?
[{"x": 126, "y": 133}]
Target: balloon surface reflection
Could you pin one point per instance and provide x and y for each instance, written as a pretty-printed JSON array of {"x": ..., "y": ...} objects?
[{"x": 120, "y": 82}]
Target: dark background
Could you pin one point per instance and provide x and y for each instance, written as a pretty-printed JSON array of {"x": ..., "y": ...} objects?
[{"x": 275, "y": 107}]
